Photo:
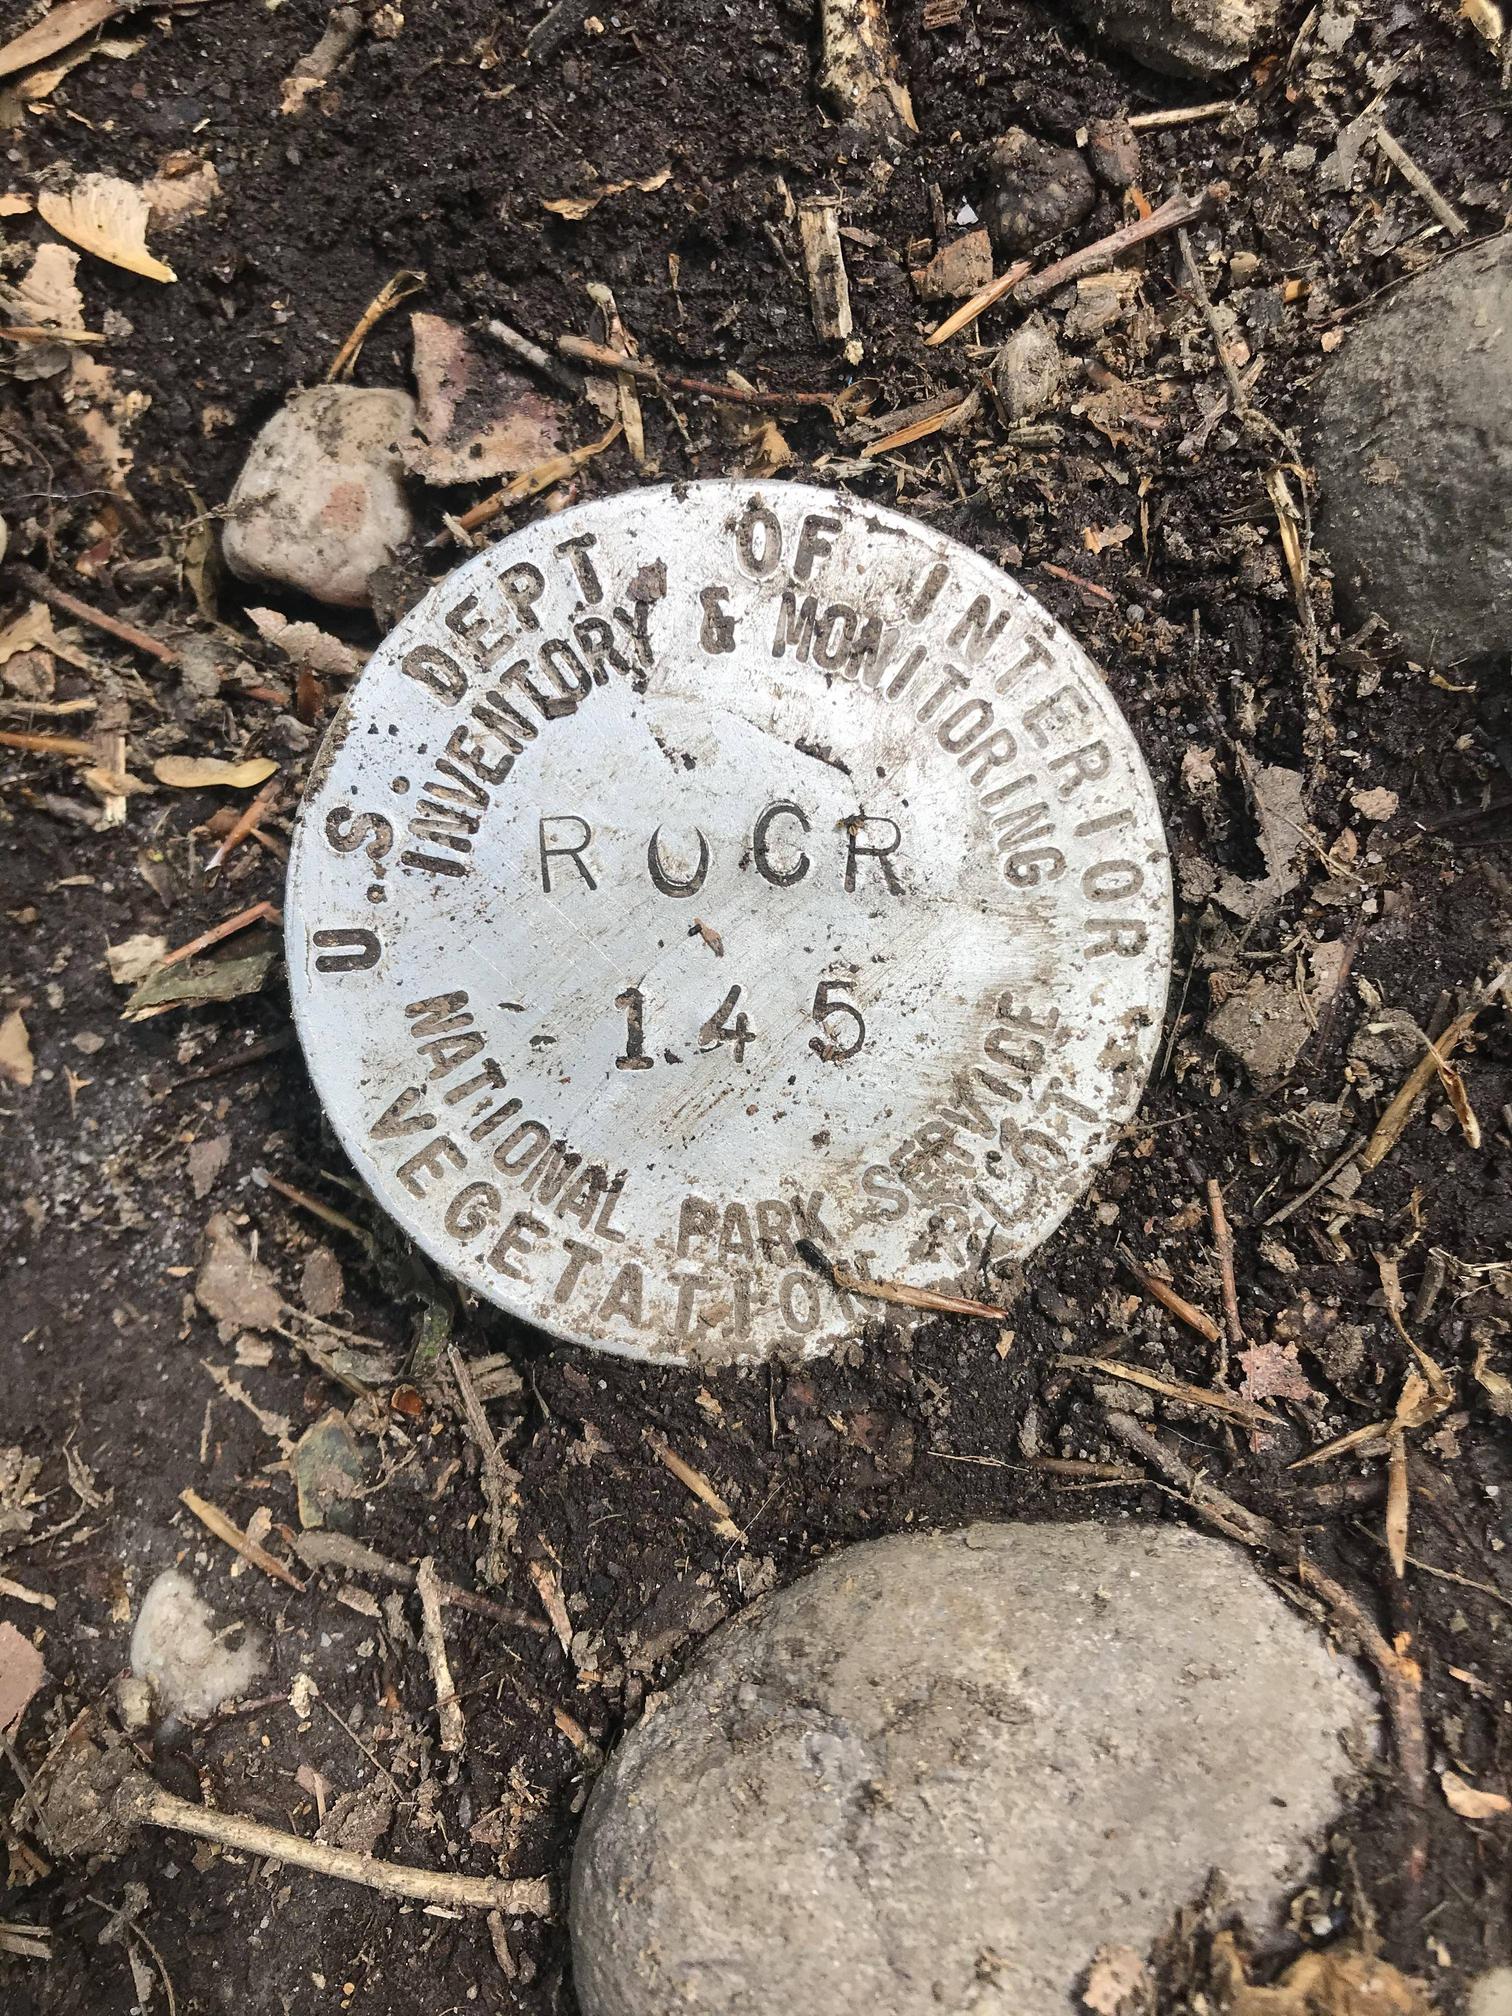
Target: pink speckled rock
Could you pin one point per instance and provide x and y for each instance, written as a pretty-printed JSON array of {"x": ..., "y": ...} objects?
[{"x": 320, "y": 502}]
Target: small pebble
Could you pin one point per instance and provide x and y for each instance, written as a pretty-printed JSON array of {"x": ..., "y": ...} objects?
[{"x": 320, "y": 504}]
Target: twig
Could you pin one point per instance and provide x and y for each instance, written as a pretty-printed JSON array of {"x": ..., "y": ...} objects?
[
  {"x": 26, "y": 332},
  {"x": 433, "y": 1637},
  {"x": 1237, "y": 399},
  {"x": 1223, "y": 1240},
  {"x": 498, "y": 1478},
  {"x": 604, "y": 359},
  {"x": 962, "y": 317},
  {"x": 1096, "y": 258},
  {"x": 19, "y": 1593},
  {"x": 403, "y": 287},
  {"x": 1180, "y": 115},
  {"x": 127, "y": 633},
  {"x": 1172, "y": 1389},
  {"x": 1400, "y": 1676},
  {"x": 549, "y": 1589},
  {"x": 929, "y": 423},
  {"x": 1280, "y": 1216},
  {"x": 1184, "y": 1311},
  {"x": 528, "y": 1896},
  {"x": 916, "y": 1298},
  {"x": 1410, "y": 172},
  {"x": 327, "y": 1214},
  {"x": 528, "y": 483},
  {"x": 1393, "y": 1122},
  {"x": 255, "y": 913},
  {"x": 537, "y": 358},
  {"x": 245, "y": 824},
  {"x": 696, "y": 1482},
  {"x": 242, "y": 1543},
  {"x": 336, "y": 1550},
  {"x": 46, "y": 745}
]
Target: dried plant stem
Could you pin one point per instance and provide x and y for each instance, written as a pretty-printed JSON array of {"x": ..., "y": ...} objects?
[
  {"x": 1393, "y": 1122},
  {"x": 601, "y": 358},
  {"x": 1223, "y": 1239},
  {"x": 70, "y": 605},
  {"x": 520, "y": 1896}
]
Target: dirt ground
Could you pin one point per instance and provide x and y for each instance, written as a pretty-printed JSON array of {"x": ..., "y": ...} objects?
[{"x": 1144, "y": 515}]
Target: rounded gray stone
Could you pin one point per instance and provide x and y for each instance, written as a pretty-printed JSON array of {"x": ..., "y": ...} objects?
[
  {"x": 1413, "y": 445},
  {"x": 940, "y": 1771},
  {"x": 320, "y": 504},
  {"x": 1035, "y": 191},
  {"x": 1185, "y": 38}
]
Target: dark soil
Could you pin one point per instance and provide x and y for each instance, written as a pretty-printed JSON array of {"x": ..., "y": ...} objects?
[{"x": 435, "y": 149}]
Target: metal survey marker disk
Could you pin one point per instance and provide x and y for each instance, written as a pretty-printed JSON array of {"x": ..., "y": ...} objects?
[{"x": 711, "y": 887}]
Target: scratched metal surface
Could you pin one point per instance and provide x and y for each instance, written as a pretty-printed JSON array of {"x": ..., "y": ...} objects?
[{"x": 714, "y": 880}]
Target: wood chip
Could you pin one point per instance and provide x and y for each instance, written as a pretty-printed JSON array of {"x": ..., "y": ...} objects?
[{"x": 824, "y": 262}]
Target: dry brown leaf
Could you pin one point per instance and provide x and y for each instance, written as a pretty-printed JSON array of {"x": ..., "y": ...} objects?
[
  {"x": 198, "y": 773},
  {"x": 476, "y": 421},
  {"x": 134, "y": 958},
  {"x": 307, "y": 644},
  {"x": 32, "y": 630},
  {"x": 1375, "y": 803},
  {"x": 575, "y": 208},
  {"x": 39, "y": 84},
  {"x": 1274, "y": 1372},
  {"x": 1469, "y": 1801},
  {"x": 17, "y": 1065},
  {"x": 55, "y": 31},
  {"x": 1098, "y": 538},
  {"x": 21, "y": 1673},
  {"x": 179, "y": 193},
  {"x": 48, "y": 296},
  {"x": 108, "y": 217},
  {"x": 104, "y": 411}
]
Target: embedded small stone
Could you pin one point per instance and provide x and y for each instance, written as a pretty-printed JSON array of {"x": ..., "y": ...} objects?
[
  {"x": 1005, "y": 1748},
  {"x": 1186, "y": 38},
  {"x": 1113, "y": 150},
  {"x": 320, "y": 503},
  {"x": 1026, "y": 373},
  {"x": 1035, "y": 191},
  {"x": 1413, "y": 445}
]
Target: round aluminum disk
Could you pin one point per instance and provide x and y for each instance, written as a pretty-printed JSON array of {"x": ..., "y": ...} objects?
[{"x": 718, "y": 893}]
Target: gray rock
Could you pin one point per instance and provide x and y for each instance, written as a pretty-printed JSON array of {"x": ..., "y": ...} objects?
[
  {"x": 1185, "y": 38},
  {"x": 1413, "y": 444},
  {"x": 1491, "y": 1993},
  {"x": 320, "y": 504},
  {"x": 1026, "y": 372},
  {"x": 940, "y": 1771},
  {"x": 1034, "y": 191}
]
